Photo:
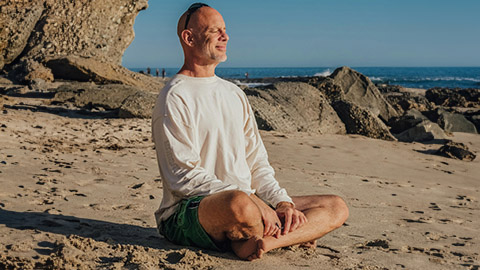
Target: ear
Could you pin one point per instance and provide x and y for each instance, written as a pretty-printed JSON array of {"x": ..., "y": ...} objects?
[{"x": 187, "y": 37}]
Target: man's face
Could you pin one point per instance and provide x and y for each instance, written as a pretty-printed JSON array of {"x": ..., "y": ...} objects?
[{"x": 210, "y": 36}]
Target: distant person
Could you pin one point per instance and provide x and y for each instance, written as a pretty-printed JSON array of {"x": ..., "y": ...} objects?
[
  {"x": 148, "y": 70},
  {"x": 219, "y": 190},
  {"x": 163, "y": 73},
  {"x": 246, "y": 75},
  {"x": 157, "y": 72}
]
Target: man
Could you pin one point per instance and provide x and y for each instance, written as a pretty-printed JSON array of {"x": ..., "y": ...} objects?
[{"x": 219, "y": 191}]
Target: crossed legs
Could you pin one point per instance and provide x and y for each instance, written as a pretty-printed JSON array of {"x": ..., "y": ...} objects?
[{"x": 231, "y": 216}]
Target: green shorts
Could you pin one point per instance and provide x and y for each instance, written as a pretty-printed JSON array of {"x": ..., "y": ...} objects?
[{"x": 183, "y": 227}]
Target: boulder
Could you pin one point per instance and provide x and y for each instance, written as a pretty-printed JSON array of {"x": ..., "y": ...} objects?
[
  {"x": 359, "y": 90},
  {"x": 48, "y": 28},
  {"x": 408, "y": 120},
  {"x": 404, "y": 101},
  {"x": 28, "y": 70},
  {"x": 293, "y": 106},
  {"x": 361, "y": 121},
  {"x": 128, "y": 101},
  {"x": 423, "y": 131},
  {"x": 88, "y": 69},
  {"x": 451, "y": 122},
  {"x": 138, "y": 105},
  {"x": 455, "y": 97},
  {"x": 18, "y": 20},
  {"x": 456, "y": 151}
]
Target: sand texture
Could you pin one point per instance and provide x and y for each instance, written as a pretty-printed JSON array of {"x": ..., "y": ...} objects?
[{"x": 78, "y": 191}]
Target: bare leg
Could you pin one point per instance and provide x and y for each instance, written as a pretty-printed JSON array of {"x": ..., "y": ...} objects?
[{"x": 324, "y": 213}]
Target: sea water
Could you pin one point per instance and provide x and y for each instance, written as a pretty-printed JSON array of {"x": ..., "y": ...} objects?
[{"x": 412, "y": 77}]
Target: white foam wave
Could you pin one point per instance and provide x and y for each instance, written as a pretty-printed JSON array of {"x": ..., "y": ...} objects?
[
  {"x": 324, "y": 73},
  {"x": 237, "y": 82}
]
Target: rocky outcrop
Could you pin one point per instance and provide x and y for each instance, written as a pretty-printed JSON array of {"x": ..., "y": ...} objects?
[
  {"x": 359, "y": 90},
  {"x": 293, "y": 106},
  {"x": 127, "y": 101},
  {"x": 87, "y": 69},
  {"x": 456, "y": 151},
  {"x": 451, "y": 122},
  {"x": 360, "y": 121},
  {"x": 454, "y": 97},
  {"x": 423, "y": 131},
  {"x": 48, "y": 28},
  {"x": 404, "y": 101},
  {"x": 408, "y": 120}
]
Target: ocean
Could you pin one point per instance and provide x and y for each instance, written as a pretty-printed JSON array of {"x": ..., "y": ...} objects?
[{"x": 412, "y": 77}]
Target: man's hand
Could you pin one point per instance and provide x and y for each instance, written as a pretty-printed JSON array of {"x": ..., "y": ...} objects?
[
  {"x": 271, "y": 222},
  {"x": 292, "y": 217}
]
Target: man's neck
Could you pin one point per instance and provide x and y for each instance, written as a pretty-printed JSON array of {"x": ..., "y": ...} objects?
[{"x": 195, "y": 70}]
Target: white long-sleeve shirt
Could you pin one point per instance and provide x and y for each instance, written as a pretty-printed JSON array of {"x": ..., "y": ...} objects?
[{"x": 207, "y": 141}]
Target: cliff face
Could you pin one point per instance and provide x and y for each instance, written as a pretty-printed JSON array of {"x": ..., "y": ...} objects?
[{"x": 41, "y": 29}]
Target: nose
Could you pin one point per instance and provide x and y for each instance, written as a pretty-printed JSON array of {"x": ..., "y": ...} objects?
[{"x": 224, "y": 36}]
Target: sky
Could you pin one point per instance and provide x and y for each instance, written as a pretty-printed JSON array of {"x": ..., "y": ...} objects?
[{"x": 320, "y": 33}]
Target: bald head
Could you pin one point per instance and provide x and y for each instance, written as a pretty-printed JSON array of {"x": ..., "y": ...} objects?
[{"x": 197, "y": 19}]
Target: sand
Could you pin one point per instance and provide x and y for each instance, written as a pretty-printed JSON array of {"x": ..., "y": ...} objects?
[{"x": 78, "y": 191}]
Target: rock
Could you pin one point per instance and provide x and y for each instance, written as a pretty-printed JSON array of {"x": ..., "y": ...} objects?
[
  {"x": 456, "y": 97},
  {"x": 128, "y": 101},
  {"x": 359, "y": 90},
  {"x": 361, "y": 121},
  {"x": 138, "y": 105},
  {"x": 408, "y": 120},
  {"x": 18, "y": 19},
  {"x": 88, "y": 69},
  {"x": 50, "y": 28},
  {"x": 456, "y": 151},
  {"x": 404, "y": 101},
  {"x": 451, "y": 122},
  {"x": 5, "y": 81},
  {"x": 293, "y": 106},
  {"x": 28, "y": 70},
  {"x": 454, "y": 122},
  {"x": 423, "y": 131}
]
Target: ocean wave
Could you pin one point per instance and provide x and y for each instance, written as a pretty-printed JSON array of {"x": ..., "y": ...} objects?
[
  {"x": 426, "y": 79},
  {"x": 237, "y": 82},
  {"x": 324, "y": 73}
]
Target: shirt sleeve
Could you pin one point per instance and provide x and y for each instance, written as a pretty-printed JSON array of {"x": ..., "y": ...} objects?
[
  {"x": 263, "y": 175},
  {"x": 178, "y": 156}
]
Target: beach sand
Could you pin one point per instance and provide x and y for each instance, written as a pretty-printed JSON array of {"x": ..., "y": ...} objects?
[{"x": 78, "y": 191}]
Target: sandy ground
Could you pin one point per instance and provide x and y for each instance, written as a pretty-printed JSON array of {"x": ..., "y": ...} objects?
[{"x": 78, "y": 191}]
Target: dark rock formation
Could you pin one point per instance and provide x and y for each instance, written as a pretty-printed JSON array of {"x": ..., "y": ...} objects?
[
  {"x": 454, "y": 97},
  {"x": 361, "y": 121},
  {"x": 408, "y": 120},
  {"x": 359, "y": 90},
  {"x": 456, "y": 151},
  {"x": 404, "y": 101},
  {"x": 128, "y": 101},
  {"x": 290, "y": 107},
  {"x": 87, "y": 69}
]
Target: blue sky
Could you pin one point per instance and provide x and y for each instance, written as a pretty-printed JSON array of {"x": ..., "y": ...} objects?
[{"x": 320, "y": 33}]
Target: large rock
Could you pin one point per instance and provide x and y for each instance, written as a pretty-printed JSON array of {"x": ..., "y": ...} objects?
[
  {"x": 87, "y": 69},
  {"x": 456, "y": 151},
  {"x": 294, "y": 106},
  {"x": 18, "y": 20},
  {"x": 361, "y": 121},
  {"x": 454, "y": 97},
  {"x": 359, "y": 90},
  {"x": 451, "y": 122},
  {"x": 408, "y": 120},
  {"x": 47, "y": 28},
  {"x": 128, "y": 101},
  {"x": 423, "y": 131}
]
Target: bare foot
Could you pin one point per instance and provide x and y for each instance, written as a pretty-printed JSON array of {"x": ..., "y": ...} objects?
[
  {"x": 249, "y": 249},
  {"x": 259, "y": 252},
  {"x": 310, "y": 244}
]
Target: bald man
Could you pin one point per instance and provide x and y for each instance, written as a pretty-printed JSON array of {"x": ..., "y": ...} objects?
[{"x": 219, "y": 190}]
